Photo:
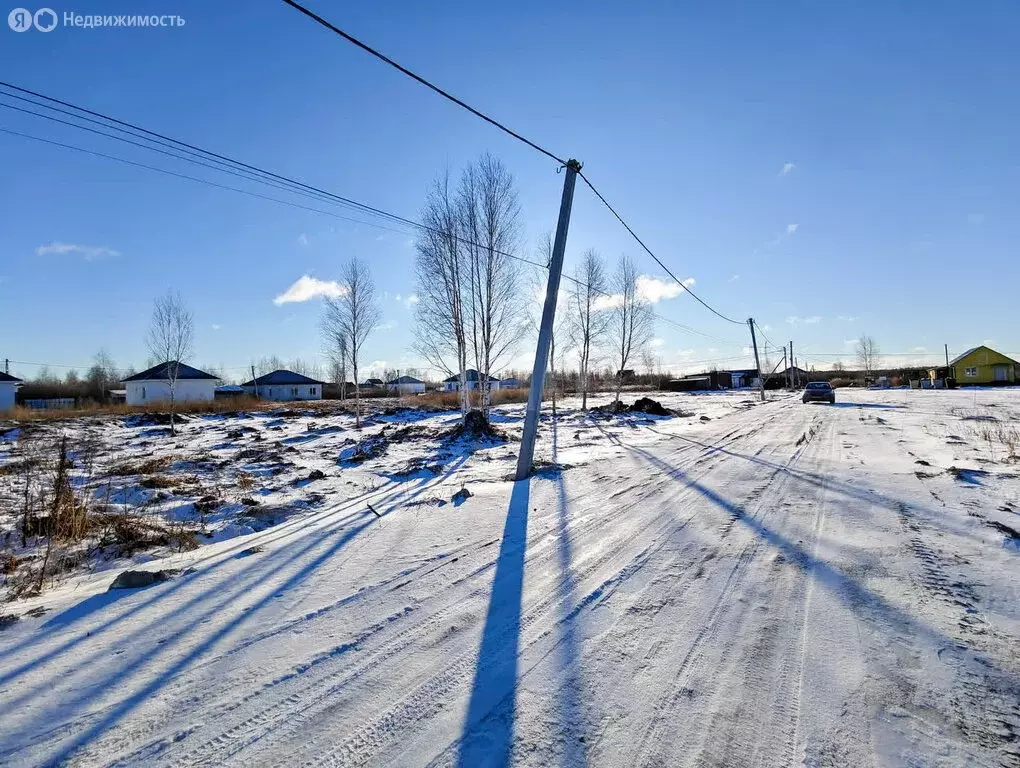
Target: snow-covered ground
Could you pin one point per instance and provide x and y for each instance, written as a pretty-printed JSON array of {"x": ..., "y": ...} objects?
[{"x": 770, "y": 585}]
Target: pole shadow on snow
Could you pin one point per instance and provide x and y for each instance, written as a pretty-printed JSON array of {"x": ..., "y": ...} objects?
[
  {"x": 846, "y": 589},
  {"x": 487, "y": 735},
  {"x": 572, "y": 720}
]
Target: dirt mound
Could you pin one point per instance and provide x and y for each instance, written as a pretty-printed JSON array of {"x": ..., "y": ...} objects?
[
  {"x": 642, "y": 405},
  {"x": 475, "y": 427},
  {"x": 136, "y": 579},
  {"x": 649, "y": 406}
]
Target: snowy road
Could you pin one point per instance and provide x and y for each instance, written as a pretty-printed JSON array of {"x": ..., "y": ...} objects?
[{"x": 782, "y": 585}]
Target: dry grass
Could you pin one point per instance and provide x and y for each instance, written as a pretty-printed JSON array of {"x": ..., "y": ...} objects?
[
  {"x": 20, "y": 414},
  {"x": 451, "y": 400},
  {"x": 147, "y": 467}
]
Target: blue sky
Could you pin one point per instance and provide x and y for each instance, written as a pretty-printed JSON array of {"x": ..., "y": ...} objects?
[{"x": 831, "y": 169}]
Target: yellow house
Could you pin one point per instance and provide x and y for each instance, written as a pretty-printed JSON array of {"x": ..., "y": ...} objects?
[{"x": 983, "y": 365}]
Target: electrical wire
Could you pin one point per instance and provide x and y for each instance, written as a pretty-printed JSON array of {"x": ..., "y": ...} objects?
[
  {"x": 420, "y": 79},
  {"x": 649, "y": 251}
]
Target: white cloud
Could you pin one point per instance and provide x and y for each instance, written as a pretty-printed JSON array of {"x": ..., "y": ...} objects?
[
  {"x": 302, "y": 239},
  {"x": 90, "y": 252},
  {"x": 216, "y": 326},
  {"x": 791, "y": 228},
  {"x": 307, "y": 288},
  {"x": 375, "y": 368},
  {"x": 920, "y": 349},
  {"x": 849, "y": 341},
  {"x": 975, "y": 218},
  {"x": 848, "y": 318},
  {"x": 813, "y": 320},
  {"x": 656, "y": 342},
  {"x": 389, "y": 325},
  {"x": 398, "y": 298},
  {"x": 685, "y": 352},
  {"x": 411, "y": 300},
  {"x": 787, "y": 168},
  {"x": 795, "y": 320},
  {"x": 651, "y": 289},
  {"x": 735, "y": 277}
]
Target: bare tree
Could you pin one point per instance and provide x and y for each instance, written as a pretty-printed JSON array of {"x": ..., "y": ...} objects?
[
  {"x": 354, "y": 313},
  {"x": 440, "y": 328},
  {"x": 489, "y": 225},
  {"x": 170, "y": 340},
  {"x": 588, "y": 320},
  {"x": 632, "y": 319},
  {"x": 539, "y": 281},
  {"x": 334, "y": 340},
  {"x": 648, "y": 361},
  {"x": 867, "y": 354}
]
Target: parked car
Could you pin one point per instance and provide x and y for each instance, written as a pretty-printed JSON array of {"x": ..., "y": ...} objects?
[{"x": 819, "y": 390}]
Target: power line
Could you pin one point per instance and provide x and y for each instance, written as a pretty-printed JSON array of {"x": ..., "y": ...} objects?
[
  {"x": 649, "y": 251},
  {"x": 422, "y": 80}
]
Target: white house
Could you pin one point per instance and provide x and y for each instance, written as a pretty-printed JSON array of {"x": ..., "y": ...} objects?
[
  {"x": 511, "y": 382},
  {"x": 406, "y": 385},
  {"x": 284, "y": 385},
  {"x": 153, "y": 385},
  {"x": 8, "y": 386},
  {"x": 472, "y": 377}
]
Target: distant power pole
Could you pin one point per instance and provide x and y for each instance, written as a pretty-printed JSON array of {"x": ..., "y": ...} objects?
[
  {"x": 255, "y": 382},
  {"x": 794, "y": 374},
  {"x": 527, "y": 454},
  {"x": 947, "y": 355},
  {"x": 7, "y": 365},
  {"x": 786, "y": 369},
  {"x": 754, "y": 344}
]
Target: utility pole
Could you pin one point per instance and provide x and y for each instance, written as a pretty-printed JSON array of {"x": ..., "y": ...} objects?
[
  {"x": 794, "y": 373},
  {"x": 255, "y": 382},
  {"x": 947, "y": 355},
  {"x": 527, "y": 454},
  {"x": 754, "y": 343},
  {"x": 786, "y": 369},
  {"x": 7, "y": 363}
]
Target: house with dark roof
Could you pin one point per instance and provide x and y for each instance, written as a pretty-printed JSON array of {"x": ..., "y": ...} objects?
[
  {"x": 983, "y": 365},
  {"x": 474, "y": 381},
  {"x": 284, "y": 385},
  {"x": 406, "y": 385},
  {"x": 372, "y": 384},
  {"x": 153, "y": 385},
  {"x": 8, "y": 387}
]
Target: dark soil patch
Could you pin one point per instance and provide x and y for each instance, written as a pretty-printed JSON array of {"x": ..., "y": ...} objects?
[
  {"x": 649, "y": 406},
  {"x": 369, "y": 448},
  {"x": 137, "y": 579},
  {"x": 153, "y": 419},
  {"x": 461, "y": 496},
  {"x": 8, "y": 620}
]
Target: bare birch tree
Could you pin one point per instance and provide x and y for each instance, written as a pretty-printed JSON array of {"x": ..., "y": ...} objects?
[
  {"x": 867, "y": 354},
  {"x": 588, "y": 318},
  {"x": 170, "y": 340},
  {"x": 335, "y": 341},
  {"x": 440, "y": 329},
  {"x": 631, "y": 318},
  {"x": 489, "y": 227},
  {"x": 353, "y": 314}
]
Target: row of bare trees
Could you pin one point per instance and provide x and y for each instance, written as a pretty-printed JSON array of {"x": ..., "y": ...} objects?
[
  {"x": 469, "y": 309},
  {"x": 607, "y": 316}
]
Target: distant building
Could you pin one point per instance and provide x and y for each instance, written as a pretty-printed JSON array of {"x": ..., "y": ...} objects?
[
  {"x": 473, "y": 379},
  {"x": 372, "y": 384},
  {"x": 117, "y": 396},
  {"x": 153, "y": 385},
  {"x": 983, "y": 365},
  {"x": 227, "y": 391},
  {"x": 8, "y": 387},
  {"x": 406, "y": 385},
  {"x": 282, "y": 384},
  {"x": 511, "y": 382},
  {"x": 744, "y": 378},
  {"x": 702, "y": 382}
]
